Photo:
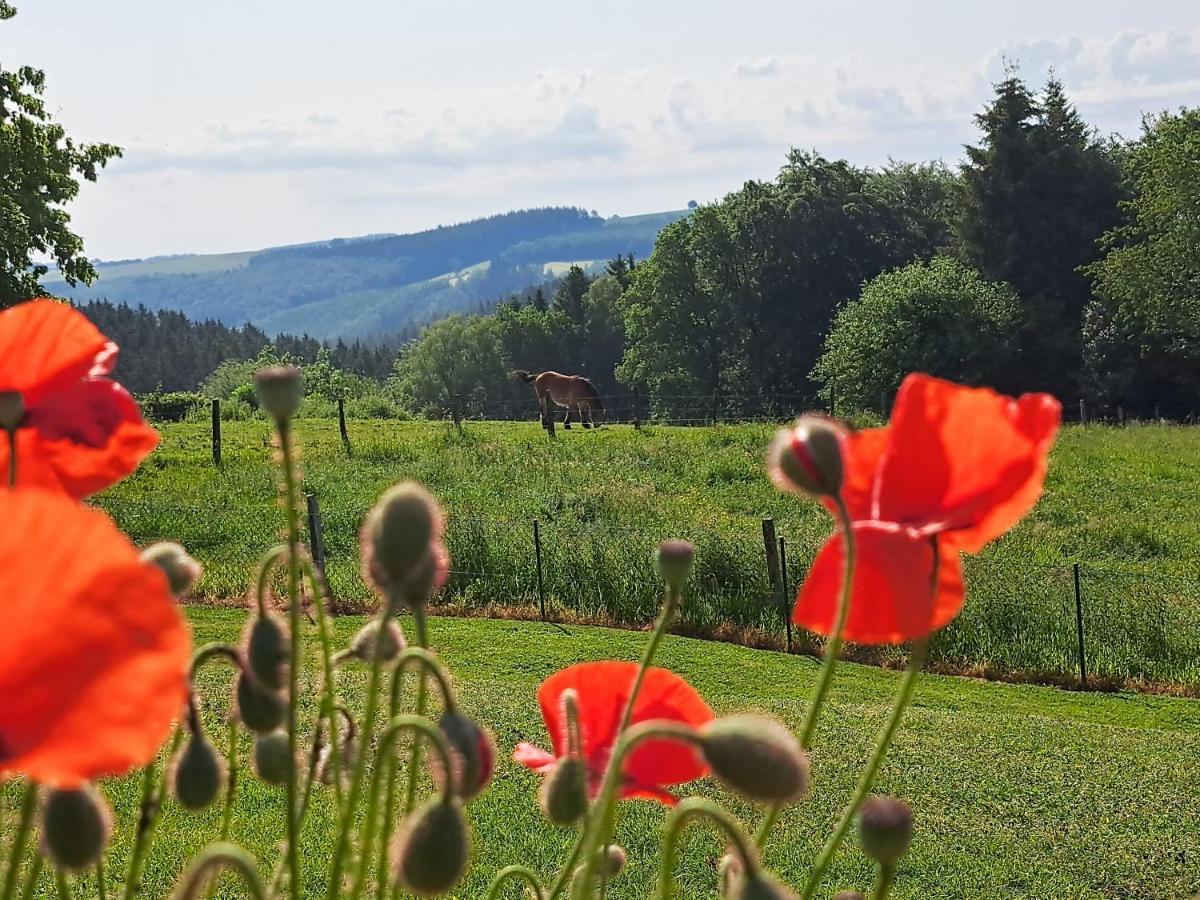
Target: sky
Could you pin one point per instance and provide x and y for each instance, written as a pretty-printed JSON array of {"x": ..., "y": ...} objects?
[{"x": 252, "y": 123}]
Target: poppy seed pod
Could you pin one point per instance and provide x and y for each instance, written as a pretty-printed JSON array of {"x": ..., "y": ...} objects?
[
  {"x": 12, "y": 410},
  {"x": 612, "y": 859},
  {"x": 362, "y": 646},
  {"x": 76, "y": 825},
  {"x": 399, "y": 531},
  {"x": 756, "y": 757},
  {"x": 280, "y": 391},
  {"x": 272, "y": 759},
  {"x": 430, "y": 852},
  {"x": 260, "y": 710},
  {"x": 474, "y": 754},
  {"x": 675, "y": 560},
  {"x": 197, "y": 773},
  {"x": 267, "y": 651},
  {"x": 760, "y": 886},
  {"x": 181, "y": 570},
  {"x": 563, "y": 796},
  {"x": 807, "y": 458},
  {"x": 885, "y": 827}
]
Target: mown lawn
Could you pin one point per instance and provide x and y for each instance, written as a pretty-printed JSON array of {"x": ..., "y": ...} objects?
[
  {"x": 1019, "y": 791},
  {"x": 1120, "y": 501}
]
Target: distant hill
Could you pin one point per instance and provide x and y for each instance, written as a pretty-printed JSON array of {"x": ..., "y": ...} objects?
[{"x": 378, "y": 284}]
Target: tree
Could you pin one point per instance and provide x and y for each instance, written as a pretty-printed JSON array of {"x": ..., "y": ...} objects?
[
  {"x": 453, "y": 367},
  {"x": 568, "y": 299},
  {"x": 39, "y": 171},
  {"x": 1040, "y": 189},
  {"x": 939, "y": 317},
  {"x": 1142, "y": 333}
]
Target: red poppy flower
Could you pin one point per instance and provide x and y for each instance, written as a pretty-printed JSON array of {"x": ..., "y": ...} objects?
[
  {"x": 93, "y": 652},
  {"x": 81, "y": 431},
  {"x": 956, "y": 468},
  {"x": 603, "y": 689}
]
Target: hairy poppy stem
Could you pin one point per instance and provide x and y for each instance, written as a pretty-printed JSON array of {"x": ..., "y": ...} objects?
[
  {"x": 62, "y": 885},
  {"x": 101, "y": 889},
  {"x": 231, "y": 784},
  {"x": 516, "y": 873},
  {"x": 421, "y": 627},
  {"x": 35, "y": 872},
  {"x": 329, "y": 701},
  {"x": 214, "y": 858},
  {"x": 24, "y": 824},
  {"x": 153, "y": 793},
  {"x": 291, "y": 498},
  {"x": 884, "y": 881},
  {"x": 681, "y": 815},
  {"x": 916, "y": 661}
]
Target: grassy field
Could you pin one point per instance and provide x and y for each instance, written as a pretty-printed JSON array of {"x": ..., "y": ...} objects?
[
  {"x": 1120, "y": 502},
  {"x": 1019, "y": 791}
]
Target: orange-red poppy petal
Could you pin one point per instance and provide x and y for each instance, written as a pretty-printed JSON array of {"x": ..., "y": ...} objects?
[
  {"x": 895, "y": 596},
  {"x": 603, "y": 689},
  {"x": 93, "y": 651},
  {"x": 964, "y": 460},
  {"x": 862, "y": 452},
  {"x": 44, "y": 341}
]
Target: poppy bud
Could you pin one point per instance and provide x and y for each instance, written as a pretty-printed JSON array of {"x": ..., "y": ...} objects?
[
  {"x": 430, "y": 852},
  {"x": 260, "y": 710},
  {"x": 76, "y": 825},
  {"x": 756, "y": 757},
  {"x": 12, "y": 410},
  {"x": 268, "y": 652},
  {"x": 849, "y": 895},
  {"x": 729, "y": 868},
  {"x": 612, "y": 859},
  {"x": 280, "y": 391},
  {"x": 807, "y": 458},
  {"x": 563, "y": 796},
  {"x": 272, "y": 759},
  {"x": 363, "y": 645},
  {"x": 885, "y": 827},
  {"x": 675, "y": 560},
  {"x": 197, "y": 773},
  {"x": 399, "y": 530},
  {"x": 429, "y": 575},
  {"x": 474, "y": 754},
  {"x": 760, "y": 886},
  {"x": 347, "y": 757},
  {"x": 181, "y": 570}
]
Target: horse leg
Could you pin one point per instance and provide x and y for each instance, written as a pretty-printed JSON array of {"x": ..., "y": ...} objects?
[
  {"x": 567, "y": 420},
  {"x": 585, "y": 415}
]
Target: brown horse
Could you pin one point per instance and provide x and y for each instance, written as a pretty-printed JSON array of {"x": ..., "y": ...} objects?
[{"x": 573, "y": 392}]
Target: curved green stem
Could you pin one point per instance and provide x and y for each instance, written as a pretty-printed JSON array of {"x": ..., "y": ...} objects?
[
  {"x": 768, "y": 822},
  {"x": 63, "y": 886},
  {"x": 291, "y": 499},
  {"x": 884, "y": 881},
  {"x": 516, "y": 873},
  {"x": 699, "y": 808},
  {"x": 599, "y": 825},
  {"x": 212, "y": 859},
  {"x": 231, "y": 784},
  {"x": 101, "y": 888},
  {"x": 421, "y": 626},
  {"x": 662, "y": 624},
  {"x": 328, "y": 694},
  {"x": 24, "y": 825},
  {"x": 903, "y": 697},
  {"x": 422, "y": 727},
  {"x": 419, "y": 657},
  {"x": 265, "y": 568},
  {"x": 214, "y": 650},
  {"x": 35, "y": 872}
]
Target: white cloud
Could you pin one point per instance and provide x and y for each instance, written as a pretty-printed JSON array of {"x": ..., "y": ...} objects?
[{"x": 757, "y": 68}]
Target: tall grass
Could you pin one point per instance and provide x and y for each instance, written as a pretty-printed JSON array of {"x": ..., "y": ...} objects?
[{"x": 1118, "y": 501}]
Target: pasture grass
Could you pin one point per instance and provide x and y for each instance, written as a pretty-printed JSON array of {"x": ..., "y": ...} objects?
[
  {"x": 1019, "y": 791},
  {"x": 1119, "y": 501}
]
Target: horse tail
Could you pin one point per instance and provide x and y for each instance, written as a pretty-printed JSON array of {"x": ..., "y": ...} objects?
[
  {"x": 596, "y": 399},
  {"x": 522, "y": 376}
]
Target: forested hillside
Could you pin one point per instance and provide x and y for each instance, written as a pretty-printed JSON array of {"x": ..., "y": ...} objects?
[{"x": 366, "y": 287}]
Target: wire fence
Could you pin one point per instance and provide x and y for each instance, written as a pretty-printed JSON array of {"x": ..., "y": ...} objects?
[{"x": 1069, "y": 622}]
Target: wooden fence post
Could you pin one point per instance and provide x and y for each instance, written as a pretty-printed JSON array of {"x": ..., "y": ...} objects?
[
  {"x": 1082, "y": 412},
  {"x": 216, "y": 431},
  {"x": 637, "y": 408},
  {"x": 537, "y": 553},
  {"x": 342, "y": 423},
  {"x": 1079, "y": 627},
  {"x": 783, "y": 572},
  {"x": 771, "y": 548}
]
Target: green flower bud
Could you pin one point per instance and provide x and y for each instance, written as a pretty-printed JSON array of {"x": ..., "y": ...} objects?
[
  {"x": 268, "y": 652},
  {"x": 363, "y": 645},
  {"x": 563, "y": 796},
  {"x": 807, "y": 458},
  {"x": 612, "y": 859},
  {"x": 197, "y": 773},
  {"x": 259, "y": 709},
  {"x": 280, "y": 391},
  {"x": 429, "y": 854},
  {"x": 474, "y": 754},
  {"x": 272, "y": 760},
  {"x": 181, "y": 570},
  {"x": 757, "y": 757},
  {"x": 885, "y": 827},
  {"x": 398, "y": 533},
  {"x": 675, "y": 560},
  {"x": 76, "y": 826},
  {"x": 12, "y": 410}
]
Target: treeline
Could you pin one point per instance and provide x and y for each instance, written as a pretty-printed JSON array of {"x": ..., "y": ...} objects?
[
  {"x": 1052, "y": 259},
  {"x": 164, "y": 350}
]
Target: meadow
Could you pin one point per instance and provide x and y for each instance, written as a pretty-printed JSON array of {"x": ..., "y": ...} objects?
[
  {"x": 1018, "y": 790},
  {"x": 1119, "y": 502}
]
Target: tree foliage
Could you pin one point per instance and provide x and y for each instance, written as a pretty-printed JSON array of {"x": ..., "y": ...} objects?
[
  {"x": 939, "y": 317},
  {"x": 40, "y": 168}
]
